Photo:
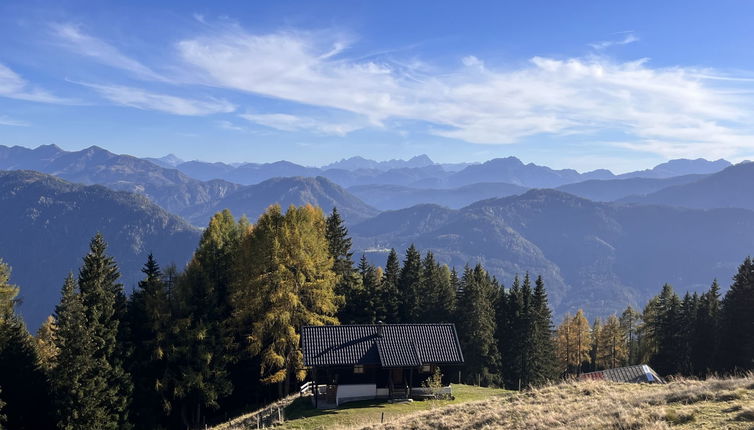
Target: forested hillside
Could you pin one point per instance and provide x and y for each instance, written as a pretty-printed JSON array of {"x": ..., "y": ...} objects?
[
  {"x": 45, "y": 223},
  {"x": 590, "y": 254}
]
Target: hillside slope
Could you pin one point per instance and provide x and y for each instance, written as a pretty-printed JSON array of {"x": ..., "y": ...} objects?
[
  {"x": 46, "y": 224},
  {"x": 596, "y": 255},
  {"x": 683, "y": 404}
]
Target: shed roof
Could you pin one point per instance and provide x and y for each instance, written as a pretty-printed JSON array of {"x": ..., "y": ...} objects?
[
  {"x": 387, "y": 345},
  {"x": 639, "y": 373}
]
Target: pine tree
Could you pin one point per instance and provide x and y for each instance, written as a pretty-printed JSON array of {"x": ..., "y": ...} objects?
[
  {"x": 409, "y": 286},
  {"x": 648, "y": 331},
  {"x": 542, "y": 366},
  {"x": 389, "y": 310},
  {"x": 737, "y": 345},
  {"x": 148, "y": 320},
  {"x": 706, "y": 345},
  {"x": 687, "y": 334},
  {"x": 287, "y": 282},
  {"x": 24, "y": 383},
  {"x": 476, "y": 327}
]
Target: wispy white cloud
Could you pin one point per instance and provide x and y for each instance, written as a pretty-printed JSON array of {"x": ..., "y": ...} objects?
[
  {"x": 286, "y": 122},
  {"x": 670, "y": 110},
  {"x": 629, "y": 37},
  {"x": 227, "y": 125},
  {"x": 13, "y": 86},
  {"x": 6, "y": 120},
  {"x": 73, "y": 38},
  {"x": 142, "y": 99}
]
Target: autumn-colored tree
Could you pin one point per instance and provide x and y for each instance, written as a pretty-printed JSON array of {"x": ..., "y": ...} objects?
[
  {"x": 286, "y": 280},
  {"x": 613, "y": 349}
]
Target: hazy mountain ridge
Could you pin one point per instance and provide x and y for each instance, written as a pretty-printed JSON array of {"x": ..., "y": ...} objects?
[
  {"x": 46, "y": 224},
  {"x": 729, "y": 188},
  {"x": 607, "y": 255},
  {"x": 391, "y": 197},
  {"x": 252, "y": 200}
]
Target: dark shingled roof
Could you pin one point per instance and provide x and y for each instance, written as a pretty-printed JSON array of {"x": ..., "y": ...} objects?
[
  {"x": 396, "y": 345},
  {"x": 640, "y": 373}
]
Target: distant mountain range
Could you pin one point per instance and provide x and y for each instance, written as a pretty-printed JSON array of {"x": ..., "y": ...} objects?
[
  {"x": 593, "y": 255},
  {"x": 46, "y": 224},
  {"x": 600, "y": 239}
]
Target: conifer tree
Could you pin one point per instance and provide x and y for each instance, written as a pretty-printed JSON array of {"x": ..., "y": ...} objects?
[
  {"x": 629, "y": 323},
  {"x": 647, "y": 331},
  {"x": 45, "y": 344},
  {"x": 706, "y": 345},
  {"x": 686, "y": 332},
  {"x": 202, "y": 345},
  {"x": 582, "y": 340},
  {"x": 409, "y": 286},
  {"x": 103, "y": 303},
  {"x": 367, "y": 300},
  {"x": 286, "y": 282},
  {"x": 349, "y": 286},
  {"x": 667, "y": 331},
  {"x": 542, "y": 366},
  {"x": 737, "y": 347},
  {"x": 149, "y": 320},
  {"x": 436, "y": 293},
  {"x": 75, "y": 384},
  {"x": 597, "y": 350},
  {"x": 389, "y": 309},
  {"x": 476, "y": 327},
  {"x": 24, "y": 383},
  {"x": 614, "y": 351},
  {"x": 565, "y": 347}
]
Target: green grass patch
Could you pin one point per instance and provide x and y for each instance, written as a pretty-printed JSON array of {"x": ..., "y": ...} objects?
[{"x": 302, "y": 415}]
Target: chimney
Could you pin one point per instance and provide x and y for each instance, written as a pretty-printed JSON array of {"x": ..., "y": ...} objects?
[{"x": 379, "y": 328}]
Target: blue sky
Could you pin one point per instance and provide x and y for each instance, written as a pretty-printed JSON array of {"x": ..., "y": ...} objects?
[{"x": 620, "y": 85}]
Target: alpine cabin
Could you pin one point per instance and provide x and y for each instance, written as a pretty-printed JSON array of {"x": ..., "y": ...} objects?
[{"x": 371, "y": 361}]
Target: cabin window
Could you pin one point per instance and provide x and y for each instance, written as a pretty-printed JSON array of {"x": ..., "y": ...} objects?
[
  {"x": 358, "y": 369},
  {"x": 427, "y": 368}
]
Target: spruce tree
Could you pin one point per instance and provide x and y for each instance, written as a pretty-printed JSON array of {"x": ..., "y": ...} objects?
[
  {"x": 476, "y": 327},
  {"x": 349, "y": 286},
  {"x": 149, "y": 320},
  {"x": 687, "y": 334},
  {"x": 409, "y": 286},
  {"x": 436, "y": 292},
  {"x": 203, "y": 346},
  {"x": 76, "y": 385},
  {"x": 542, "y": 366},
  {"x": 667, "y": 332},
  {"x": 367, "y": 300},
  {"x": 737, "y": 347},
  {"x": 390, "y": 301}
]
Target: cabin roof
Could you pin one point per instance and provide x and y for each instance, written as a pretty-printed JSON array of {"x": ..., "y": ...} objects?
[
  {"x": 639, "y": 373},
  {"x": 386, "y": 345}
]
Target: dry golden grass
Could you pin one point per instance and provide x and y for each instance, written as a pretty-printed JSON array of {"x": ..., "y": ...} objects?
[{"x": 718, "y": 403}]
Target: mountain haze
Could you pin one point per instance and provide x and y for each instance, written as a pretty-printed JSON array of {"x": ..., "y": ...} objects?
[{"x": 46, "y": 224}]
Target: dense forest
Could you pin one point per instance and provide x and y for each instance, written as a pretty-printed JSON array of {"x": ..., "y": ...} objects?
[{"x": 220, "y": 336}]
